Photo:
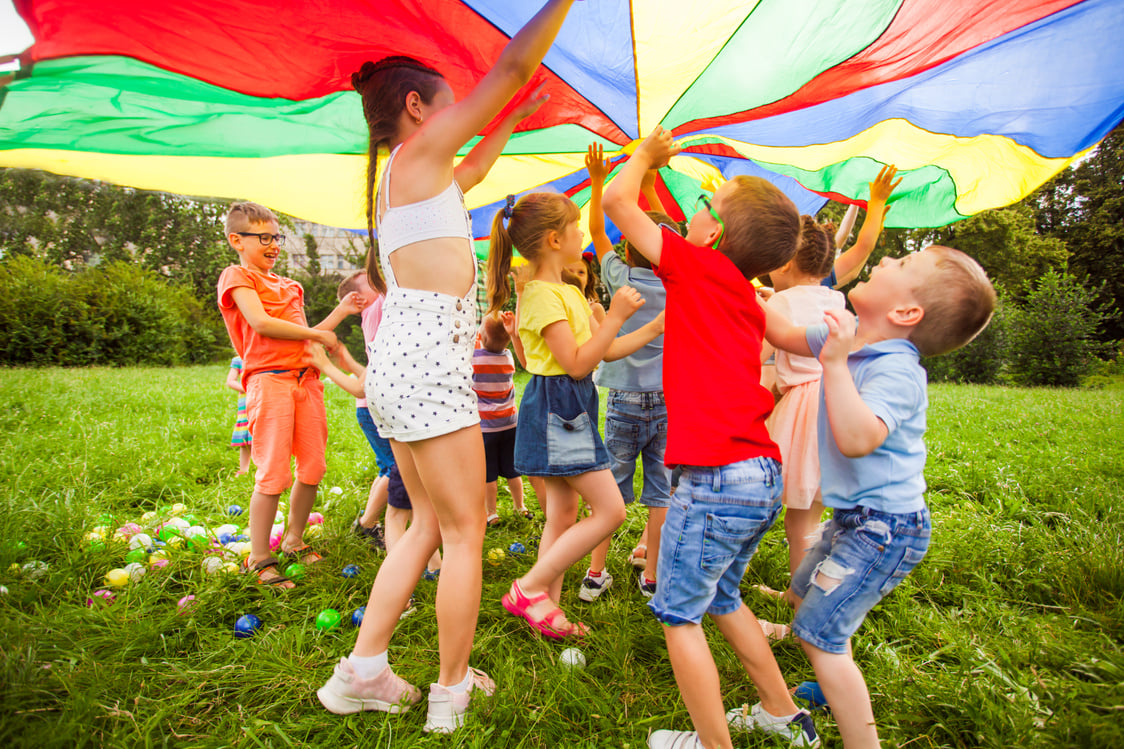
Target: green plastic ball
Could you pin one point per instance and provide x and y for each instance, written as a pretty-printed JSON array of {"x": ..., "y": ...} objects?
[
  {"x": 327, "y": 619},
  {"x": 295, "y": 571}
]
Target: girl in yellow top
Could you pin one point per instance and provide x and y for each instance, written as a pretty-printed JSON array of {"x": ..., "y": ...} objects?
[{"x": 557, "y": 436}]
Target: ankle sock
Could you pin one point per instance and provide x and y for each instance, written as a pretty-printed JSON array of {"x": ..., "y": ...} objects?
[
  {"x": 368, "y": 666},
  {"x": 777, "y": 719},
  {"x": 463, "y": 686},
  {"x": 595, "y": 575}
]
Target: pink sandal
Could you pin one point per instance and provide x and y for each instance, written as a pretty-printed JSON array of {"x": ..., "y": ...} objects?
[{"x": 517, "y": 603}]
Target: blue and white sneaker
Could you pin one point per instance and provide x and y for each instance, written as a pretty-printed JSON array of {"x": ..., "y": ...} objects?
[
  {"x": 798, "y": 728},
  {"x": 593, "y": 587}
]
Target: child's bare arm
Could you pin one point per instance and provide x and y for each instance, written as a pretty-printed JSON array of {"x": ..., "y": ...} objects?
[
  {"x": 234, "y": 380},
  {"x": 578, "y": 361},
  {"x": 856, "y": 429},
  {"x": 648, "y": 190},
  {"x": 318, "y": 358},
  {"x": 781, "y": 333},
  {"x": 249, "y": 304},
  {"x": 347, "y": 362},
  {"x": 512, "y": 327},
  {"x": 848, "y": 265},
  {"x": 351, "y": 304},
  {"x": 843, "y": 233},
  {"x": 630, "y": 343},
  {"x": 474, "y": 167},
  {"x": 620, "y": 197},
  {"x": 599, "y": 168}
]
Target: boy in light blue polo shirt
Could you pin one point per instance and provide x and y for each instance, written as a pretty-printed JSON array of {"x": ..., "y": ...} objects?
[
  {"x": 872, "y": 455},
  {"x": 635, "y": 414}
]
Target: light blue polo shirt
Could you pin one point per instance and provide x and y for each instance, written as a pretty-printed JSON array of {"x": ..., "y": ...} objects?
[
  {"x": 893, "y": 384},
  {"x": 641, "y": 372}
]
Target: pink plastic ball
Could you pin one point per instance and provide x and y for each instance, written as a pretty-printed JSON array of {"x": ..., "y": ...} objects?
[
  {"x": 185, "y": 604},
  {"x": 275, "y": 541},
  {"x": 105, "y": 596},
  {"x": 158, "y": 564},
  {"x": 129, "y": 529},
  {"x": 315, "y": 518}
]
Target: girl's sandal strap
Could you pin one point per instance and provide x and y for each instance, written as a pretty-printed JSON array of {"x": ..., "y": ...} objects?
[{"x": 259, "y": 570}]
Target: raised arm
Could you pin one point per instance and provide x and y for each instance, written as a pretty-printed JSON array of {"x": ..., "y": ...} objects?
[
  {"x": 599, "y": 168},
  {"x": 474, "y": 167},
  {"x": 848, "y": 265},
  {"x": 511, "y": 325},
  {"x": 249, "y": 304},
  {"x": 444, "y": 134},
  {"x": 620, "y": 197},
  {"x": 856, "y": 429},
  {"x": 843, "y": 233},
  {"x": 630, "y": 343},
  {"x": 648, "y": 190},
  {"x": 578, "y": 361}
]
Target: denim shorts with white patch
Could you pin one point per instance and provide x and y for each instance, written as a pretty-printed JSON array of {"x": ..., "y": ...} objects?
[{"x": 869, "y": 553}]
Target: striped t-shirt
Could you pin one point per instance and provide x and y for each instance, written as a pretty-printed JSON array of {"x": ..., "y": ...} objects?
[{"x": 493, "y": 379}]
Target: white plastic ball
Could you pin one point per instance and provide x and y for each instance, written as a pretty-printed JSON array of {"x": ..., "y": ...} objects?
[
  {"x": 135, "y": 571},
  {"x": 213, "y": 565},
  {"x": 35, "y": 570},
  {"x": 335, "y": 490},
  {"x": 572, "y": 658},
  {"x": 140, "y": 541}
]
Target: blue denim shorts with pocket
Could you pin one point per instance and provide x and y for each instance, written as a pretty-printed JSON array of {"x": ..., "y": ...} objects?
[
  {"x": 636, "y": 426},
  {"x": 717, "y": 518},
  {"x": 869, "y": 552},
  {"x": 557, "y": 432}
]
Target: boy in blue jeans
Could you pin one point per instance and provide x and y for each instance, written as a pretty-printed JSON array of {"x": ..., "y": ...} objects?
[
  {"x": 872, "y": 456},
  {"x": 636, "y": 416},
  {"x": 729, "y": 493}
]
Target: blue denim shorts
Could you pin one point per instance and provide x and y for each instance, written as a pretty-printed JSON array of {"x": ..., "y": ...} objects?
[
  {"x": 636, "y": 426},
  {"x": 717, "y": 518},
  {"x": 870, "y": 552},
  {"x": 384, "y": 456},
  {"x": 557, "y": 432}
]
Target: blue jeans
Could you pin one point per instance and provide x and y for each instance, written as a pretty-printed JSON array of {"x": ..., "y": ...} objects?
[
  {"x": 717, "y": 518},
  {"x": 636, "y": 425},
  {"x": 557, "y": 433},
  {"x": 868, "y": 552},
  {"x": 384, "y": 456}
]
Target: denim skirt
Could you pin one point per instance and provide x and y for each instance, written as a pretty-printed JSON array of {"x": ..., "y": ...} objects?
[{"x": 557, "y": 433}]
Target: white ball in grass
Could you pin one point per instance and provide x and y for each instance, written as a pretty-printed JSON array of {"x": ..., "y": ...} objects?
[
  {"x": 335, "y": 490},
  {"x": 572, "y": 658},
  {"x": 35, "y": 570},
  {"x": 135, "y": 571},
  {"x": 3, "y": 590}
]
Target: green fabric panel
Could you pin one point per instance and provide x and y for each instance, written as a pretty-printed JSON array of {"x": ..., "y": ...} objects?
[
  {"x": 119, "y": 105},
  {"x": 557, "y": 139},
  {"x": 782, "y": 45},
  {"x": 926, "y": 197}
]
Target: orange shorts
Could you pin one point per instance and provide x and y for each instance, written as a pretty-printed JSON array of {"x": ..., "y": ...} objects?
[{"x": 287, "y": 419}]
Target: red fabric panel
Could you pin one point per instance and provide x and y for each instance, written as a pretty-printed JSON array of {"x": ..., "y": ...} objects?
[
  {"x": 923, "y": 34},
  {"x": 292, "y": 49}
]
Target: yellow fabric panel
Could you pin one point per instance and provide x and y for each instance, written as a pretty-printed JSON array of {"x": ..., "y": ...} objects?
[
  {"x": 326, "y": 189},
  {"x": 674, "y": 44},
  {"x": 989, "y": 170}
]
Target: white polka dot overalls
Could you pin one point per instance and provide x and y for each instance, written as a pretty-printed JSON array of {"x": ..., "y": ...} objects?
[{"x": 419, "y": 372}]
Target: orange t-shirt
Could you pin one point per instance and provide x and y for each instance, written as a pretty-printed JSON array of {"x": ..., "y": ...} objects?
[{"x": 282, "y": 298}]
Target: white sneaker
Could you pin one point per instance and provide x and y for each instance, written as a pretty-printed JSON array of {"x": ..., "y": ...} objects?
[
  {"x": 798, "y": 729},
  {"x": 674, "y": 740},
  {"x": 447, "y": 708},
  {"x": 346, "y": 693},
  {"x": 593, "y": 587}
]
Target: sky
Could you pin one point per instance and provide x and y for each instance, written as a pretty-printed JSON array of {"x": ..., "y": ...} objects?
[{"x": 14, "y": 36}]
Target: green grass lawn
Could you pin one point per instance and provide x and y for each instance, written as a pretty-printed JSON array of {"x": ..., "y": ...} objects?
[{"x": 1008, "y": 634}]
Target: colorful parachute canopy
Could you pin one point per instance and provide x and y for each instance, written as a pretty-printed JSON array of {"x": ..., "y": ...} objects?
[{"x": 976, "y": 103}]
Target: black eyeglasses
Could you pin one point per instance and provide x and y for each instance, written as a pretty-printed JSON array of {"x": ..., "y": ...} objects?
[
  {"x": 265, "y": 237},
  {"x": 704, "y": 202}
]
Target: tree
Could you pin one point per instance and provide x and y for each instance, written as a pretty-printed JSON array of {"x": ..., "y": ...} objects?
[{"x": 1084, "y": 207}]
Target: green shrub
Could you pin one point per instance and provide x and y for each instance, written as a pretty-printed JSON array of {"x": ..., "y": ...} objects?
[
  {"x": 1053, "y": 333},
  {"x": 117, "y": 314},
  {"x": 981, "y": 362}
]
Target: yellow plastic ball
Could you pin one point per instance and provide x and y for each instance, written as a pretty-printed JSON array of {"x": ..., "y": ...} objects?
[{"x": 118, "y": 578}]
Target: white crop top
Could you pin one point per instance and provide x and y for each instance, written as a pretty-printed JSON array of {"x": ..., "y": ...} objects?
[{"x": 443, "y": 215}]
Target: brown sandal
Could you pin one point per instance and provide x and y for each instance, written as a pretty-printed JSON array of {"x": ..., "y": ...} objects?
[
  {"x": 262, "y": 567},
  {"x": 303, "y": 554}
]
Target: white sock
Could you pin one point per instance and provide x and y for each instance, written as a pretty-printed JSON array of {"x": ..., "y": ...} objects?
[
  {"x": 368, "y": 666},
  {"x": 598, "y": 576},
  {"x": 777, "y": 719},
  {"x": 463, "y": 686}
]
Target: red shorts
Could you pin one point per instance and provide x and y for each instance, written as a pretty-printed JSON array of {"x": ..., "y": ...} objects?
[{"x": 287, "y": 419}]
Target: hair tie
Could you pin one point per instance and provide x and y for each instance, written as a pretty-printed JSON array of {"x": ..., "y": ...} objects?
[{"x": 509, "y": 207}]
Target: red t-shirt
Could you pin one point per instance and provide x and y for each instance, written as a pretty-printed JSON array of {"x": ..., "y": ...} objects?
[
  {"x": 716, "y": 407},
  {"x": 282, "y": 298}
]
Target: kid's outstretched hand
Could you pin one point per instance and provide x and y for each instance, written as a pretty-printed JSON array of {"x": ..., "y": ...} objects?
[
  {"x": 315, "y": 355},
  {"x": 658, "y": 148},
  {"x": 508, "y": 320},
  {"x": 531, "y": 104},
  {"x": 625, "y": 302},
  {"x": 841, "y": 326},
  {"x": 597, "y": 165},
  {"x": 884, "y": 184}
]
